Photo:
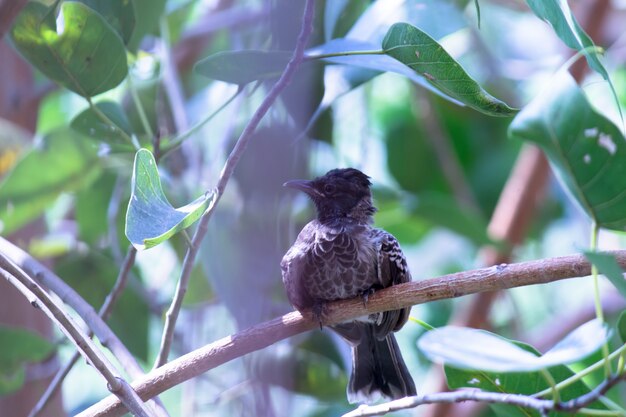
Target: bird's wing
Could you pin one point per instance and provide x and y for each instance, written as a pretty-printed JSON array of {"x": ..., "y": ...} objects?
[
  {"x": 294, "y": 267},
  {"x": 392, "y": 270}
]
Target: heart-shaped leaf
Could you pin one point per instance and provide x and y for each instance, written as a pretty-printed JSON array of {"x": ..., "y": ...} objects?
[
  {"x": 428, "y": 59},
  {"x": 467, "y": 348},
  {"x": 607, "y": 265},
  {"x": 150, "y": 218},
  {"x": 79, "y": 49},
  {"x": 586, "y": 149},
  {"x": 63, "y": 161},
  {"x": 90, "y": 125}
]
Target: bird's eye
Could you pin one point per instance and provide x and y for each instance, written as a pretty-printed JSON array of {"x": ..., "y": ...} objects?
[{"x": 329, "y": 188}]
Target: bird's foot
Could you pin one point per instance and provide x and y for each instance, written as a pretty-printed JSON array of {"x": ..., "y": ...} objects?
[
  {"x": 318, "y": 312},
  {"x": 365, "y": 295}
]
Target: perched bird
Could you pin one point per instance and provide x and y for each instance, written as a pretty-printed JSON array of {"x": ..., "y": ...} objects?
[{"x": 340, "y": 255}]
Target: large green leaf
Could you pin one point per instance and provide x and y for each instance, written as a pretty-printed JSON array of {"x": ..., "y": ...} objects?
[
  {"x": 526, "y": 383},
  {"x": 19, "y": 347},
  {"x": 607, "y": 265},
  {"x": 427, "y": 58},
  {"x": 79, "y": 49},
  {"x": 558, "y": 14},
  {"x": 150, "y": 218},
  {"x": 120, "y": 14},
  {"x": 586, "y": 149},
  {"x": 467, "y": 348},
  {"x": 62, "y": 162}
]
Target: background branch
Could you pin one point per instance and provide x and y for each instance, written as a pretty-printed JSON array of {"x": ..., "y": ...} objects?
[
  {"x": 115, "y": 383},
  {"x": 68, "y": 295},
  {"x": 399, "y": 296},
  {"x": 104, "y": 313}
]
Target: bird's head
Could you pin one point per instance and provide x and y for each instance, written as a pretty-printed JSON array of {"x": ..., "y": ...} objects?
[{"x": 339, "y": 194}]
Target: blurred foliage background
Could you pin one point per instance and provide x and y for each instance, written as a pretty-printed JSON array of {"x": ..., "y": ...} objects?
[{"x": 438, "y": 170}]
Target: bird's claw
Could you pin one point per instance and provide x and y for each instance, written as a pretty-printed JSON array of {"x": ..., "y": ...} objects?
[
  {"x": 365, "y": 295},
  {"x": 318, "y": 312}
]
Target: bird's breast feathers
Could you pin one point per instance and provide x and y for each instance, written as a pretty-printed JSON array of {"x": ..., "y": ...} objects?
[{"x": 332, "y": 263}]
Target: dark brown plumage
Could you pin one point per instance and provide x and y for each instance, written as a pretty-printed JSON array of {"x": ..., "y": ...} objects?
[{"x": 340, "y": 255}]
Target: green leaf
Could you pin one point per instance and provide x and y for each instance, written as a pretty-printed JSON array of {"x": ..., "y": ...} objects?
[
  {"x": 79, "y": 49},
  {"x": 18, "y": 348},
  {"x": 467, "y": 348},
  {"x": 151, "y": 219},
  {"x": 558, "y": 14},
  {"x": 360, "y": 68},
  {"x": 621, "y": 326},
  {"x": 607, "y": 265},
  {"x": 525, "y": 383},
  {"x": 586, "y": 149},
  {"x": 63, "y": 162},
  {"x": 120, "y": 14},
  {"x": 427, "y": 58},
  {"x": 90, "y": 125},
  {"x": 242, "y": 67}
]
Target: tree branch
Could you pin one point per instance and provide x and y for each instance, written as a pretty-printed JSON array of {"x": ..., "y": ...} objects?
[
  {"x": 69, "y": 296},
  {"x": 227, "y": 171},
  {"x": 399, "y": 296},
  {"x": 543, "y": 406},
  {"x": 115, "y": 383}
]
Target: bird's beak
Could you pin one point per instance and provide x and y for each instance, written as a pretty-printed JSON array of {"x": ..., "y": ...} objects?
[{"x": 302, "y": 185}]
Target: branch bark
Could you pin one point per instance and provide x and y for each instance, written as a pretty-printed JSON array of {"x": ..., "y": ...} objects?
[{"x": 497, "y": 277}]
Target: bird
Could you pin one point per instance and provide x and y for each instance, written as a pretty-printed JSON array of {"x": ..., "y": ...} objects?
[{"x": 340, "y": 255}]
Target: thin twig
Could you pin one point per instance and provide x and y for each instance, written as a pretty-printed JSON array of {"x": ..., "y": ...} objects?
[
  {"x": 41, "y": 299},
  {"x": 227, "y": 171},
  {"x": 140, "y": 110},
  {"x": 393, "y": 298},
  {"x": 543, "y": 406}
]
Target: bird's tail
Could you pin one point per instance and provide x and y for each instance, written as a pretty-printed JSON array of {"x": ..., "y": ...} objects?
[{"x": 378, "y": 369}]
